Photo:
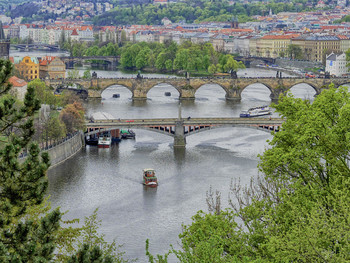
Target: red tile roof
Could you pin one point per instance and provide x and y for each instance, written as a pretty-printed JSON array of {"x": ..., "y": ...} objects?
[{"x": 17, "y": 82}]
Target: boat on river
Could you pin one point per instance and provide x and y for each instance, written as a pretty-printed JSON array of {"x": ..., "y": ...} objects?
[
  {"x": 255, "y": 112},
  {"x": 104, "y": 140},
  {"x": 127, "y": 134},
  {"x": 149, "y": 177}
]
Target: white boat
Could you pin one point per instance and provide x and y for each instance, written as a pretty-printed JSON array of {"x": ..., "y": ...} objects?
[
  {"x": 104, "y": 141},
  {"x": 255, "y": 112}
]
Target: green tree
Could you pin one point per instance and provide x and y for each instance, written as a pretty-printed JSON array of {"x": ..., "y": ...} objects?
[
  {"x": 87, "y": 74},
  {"x": 169, "y": 65},
  {"x": 92, "y": 245},
  {"x": 42, "y": 92},
  {"x": 142, "y": 58},
  {"x": 294, "y": 51},
  {"x": 22, "y": 184},
  {"x": 233, "y": 65},
  {"x": 298, "y": 211},
  {"x": 212, "y": 69},
  {"x": 73, "y": 74}
]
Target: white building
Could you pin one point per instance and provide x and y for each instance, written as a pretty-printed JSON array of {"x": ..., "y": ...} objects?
[{"x": 336, "y": 64}]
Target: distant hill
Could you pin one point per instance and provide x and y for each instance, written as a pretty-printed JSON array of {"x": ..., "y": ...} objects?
[
  {"x": 27, "y": 9},
  {"x": 5, "y": 4}
]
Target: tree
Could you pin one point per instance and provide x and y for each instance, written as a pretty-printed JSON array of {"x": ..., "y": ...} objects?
[
  {"x": 73, "y": 74},
  {"x": 294, "y": 51},
  {"x": 233, "y": 65},
  {"x": 73, "y": 117},
  {"x": 92, "y": 245},
  {"x": 42, "y": 92},
  {"x": 212, "y": 69},
  {"x": 298, "y": 211},
  {"x": 22, "y": 183},
  {"x": 87, "y": 74}
]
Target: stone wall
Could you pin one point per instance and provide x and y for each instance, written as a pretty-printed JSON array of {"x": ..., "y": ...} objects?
[
  {"x": 301, "y": 64},
  {"x": 65, "y": 150}
]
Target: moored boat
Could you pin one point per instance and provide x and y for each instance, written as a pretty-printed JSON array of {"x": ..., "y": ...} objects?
[
  {"x": 149, "y": 177},
  {"x": 104, "y": 140},
  {"x": 255, "y": 112},
  {"x": 127, "y": 134}
]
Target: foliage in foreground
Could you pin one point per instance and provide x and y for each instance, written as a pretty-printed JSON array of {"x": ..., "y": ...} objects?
[
  {"x": 30, "y": 231},
  {"x": 298, "y": 211}
]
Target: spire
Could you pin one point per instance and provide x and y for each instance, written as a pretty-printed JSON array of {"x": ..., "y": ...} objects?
[{"x": 2, "y": 34}]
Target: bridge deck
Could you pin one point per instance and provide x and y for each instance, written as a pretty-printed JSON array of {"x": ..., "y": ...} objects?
[{"x": 191, "y": 122}]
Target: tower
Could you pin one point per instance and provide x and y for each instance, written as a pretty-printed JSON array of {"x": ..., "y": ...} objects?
[
  {"x": 4, "y": 44},
  {"x": 234, "y": 22}
]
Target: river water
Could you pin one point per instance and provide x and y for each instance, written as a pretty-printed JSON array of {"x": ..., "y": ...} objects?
[{"x": 110, "y": 179}]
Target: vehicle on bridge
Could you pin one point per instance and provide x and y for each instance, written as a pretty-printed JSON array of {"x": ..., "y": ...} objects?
[
  {"x": 149, "y": 177},
  {"x": 255, "y": 112}
]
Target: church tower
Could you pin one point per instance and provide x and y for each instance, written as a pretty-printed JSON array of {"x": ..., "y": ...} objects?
[
  {"x": 234, "y": 22},
  {"x": 4, "y": 44}
]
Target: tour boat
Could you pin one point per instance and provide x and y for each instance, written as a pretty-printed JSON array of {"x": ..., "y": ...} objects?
[
  {"x": 255, "y": 112},
  {"x": 149, "y": 178},
  {"x": 104, "y": 141}
]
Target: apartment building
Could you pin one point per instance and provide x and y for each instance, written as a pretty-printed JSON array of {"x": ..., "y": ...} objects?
[{"x": 52, "y": 68}]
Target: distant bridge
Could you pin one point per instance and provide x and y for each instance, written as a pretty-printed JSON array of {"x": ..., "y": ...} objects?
[
  {"x": 139, "y": 87},
  {"x": 180, "y": 128},
  {"x": 112, "y": 61},
  {"x": 28, "y": 47},
  {"x": 248, "y": 60}
]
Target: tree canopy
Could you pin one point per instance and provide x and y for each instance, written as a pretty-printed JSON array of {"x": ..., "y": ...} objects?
[{"x": 298, "y": 209}]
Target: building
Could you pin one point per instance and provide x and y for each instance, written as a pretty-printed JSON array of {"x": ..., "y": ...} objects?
[
  {"x": 52, "y": 68},
  {"x": 28, "y": 68},
  {"x": 4, "y": 44},
  {"x": 336, "y": 64},
  {"x": 316, "y": 47},
  {"x": 19, "y": 87}
]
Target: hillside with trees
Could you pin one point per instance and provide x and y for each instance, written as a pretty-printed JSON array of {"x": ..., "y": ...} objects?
[{"x": 194, "y": 11}]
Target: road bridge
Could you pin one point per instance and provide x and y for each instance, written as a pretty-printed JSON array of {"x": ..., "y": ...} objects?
[
  {"x": 28, "y": 47},
  {"x": 111, "y": 61},
  {"x": 180, "y": 128},
  {"x": 187, "y": 87}
]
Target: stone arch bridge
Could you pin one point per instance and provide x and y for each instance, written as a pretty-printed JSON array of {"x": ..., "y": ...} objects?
[
  {"x": 180, "y": 128},
  {"x": 187, "y": 88}
]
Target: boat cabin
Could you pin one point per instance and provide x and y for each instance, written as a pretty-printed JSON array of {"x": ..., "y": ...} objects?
[{"x": 149, "y": 177}]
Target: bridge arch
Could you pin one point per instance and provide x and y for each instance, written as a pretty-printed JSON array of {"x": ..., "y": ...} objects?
[
  {"x": 217, "y": 84},
  {"x": 310, "y": 84},
  {"x": 267, "y": 86},
  {"x": 159, "y": 86},
  {"x": 123, "y": 91}
]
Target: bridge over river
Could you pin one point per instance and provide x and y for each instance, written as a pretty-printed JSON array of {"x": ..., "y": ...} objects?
[
  {"x": 187, "y": 87},
  {"x": 180, "y": 128}
]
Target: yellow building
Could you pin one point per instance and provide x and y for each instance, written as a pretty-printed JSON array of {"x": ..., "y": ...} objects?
[
  {"x": 28, "y": 67},
  {"x": 273, "y": 46}
]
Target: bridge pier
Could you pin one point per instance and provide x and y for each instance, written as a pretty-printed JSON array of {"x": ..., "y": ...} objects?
[
  {"x": 179, "y": 138},
  {"x": 233, "y": 95}
]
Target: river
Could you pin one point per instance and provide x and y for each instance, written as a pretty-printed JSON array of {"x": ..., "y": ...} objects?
[{"x": 110, "y": 179}]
